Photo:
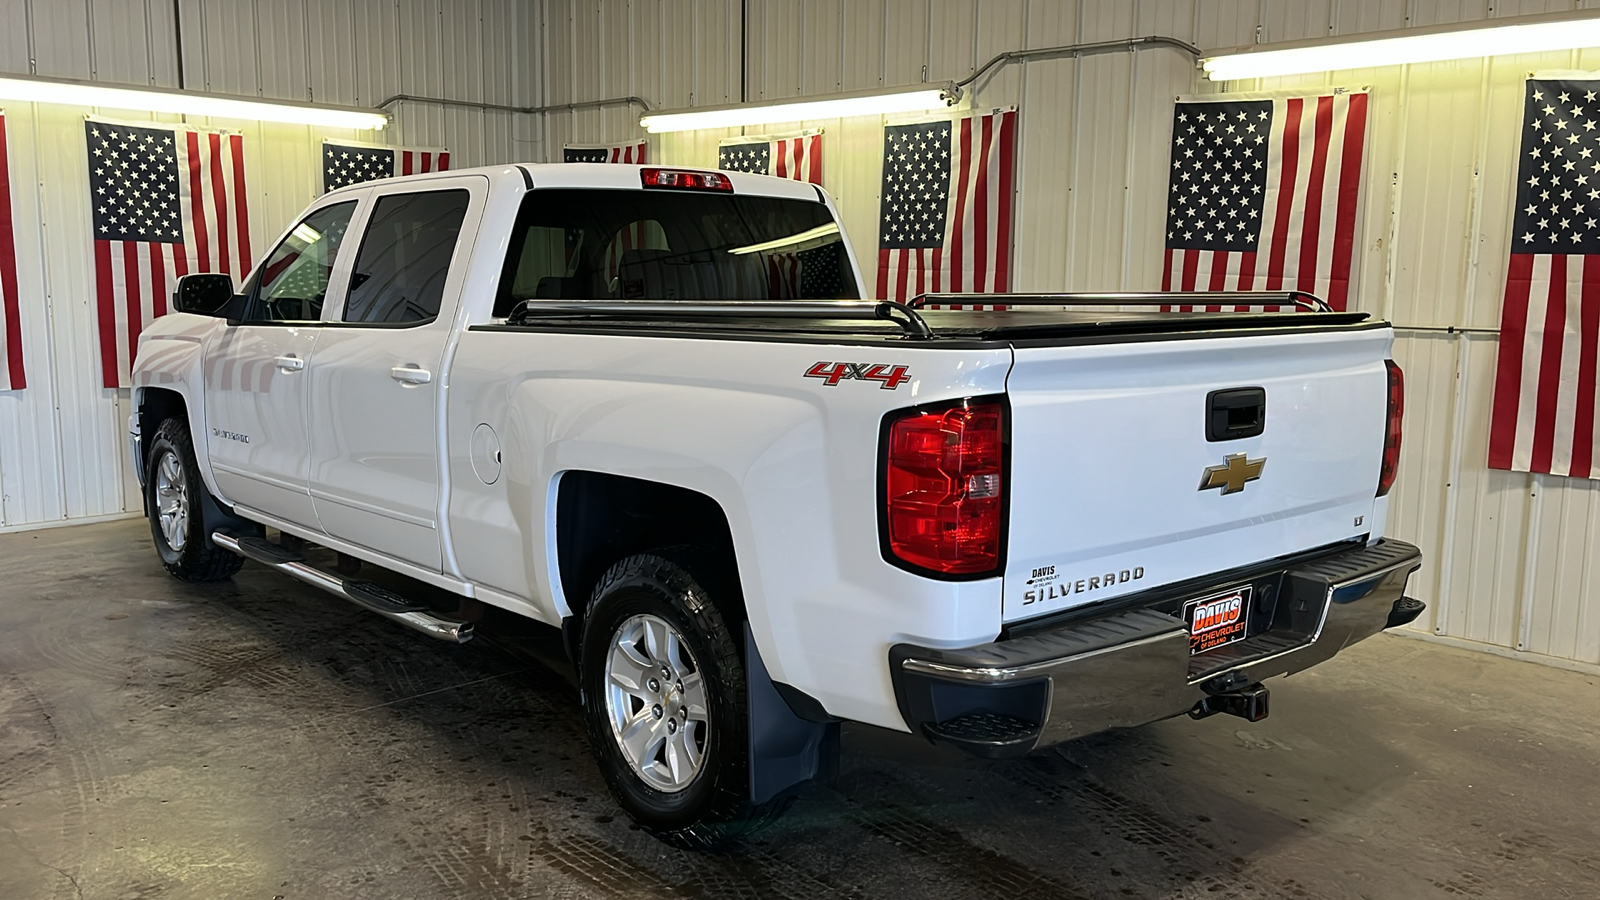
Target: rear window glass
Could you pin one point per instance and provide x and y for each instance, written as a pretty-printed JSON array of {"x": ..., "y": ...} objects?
[{"x": 572, "y": 244}]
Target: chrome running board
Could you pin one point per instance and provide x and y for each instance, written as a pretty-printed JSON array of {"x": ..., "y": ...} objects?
[{"x": 364, "y": 594}]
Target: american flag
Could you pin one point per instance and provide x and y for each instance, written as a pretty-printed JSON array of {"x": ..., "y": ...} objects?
[
  {"x": 1264, "y": 195},
  {"x": 346, "y": 164},
  {"x": 945, "y": 214},
  {"x": 632, "y": 153},
  {"x": 165, "y": 201},
  {"x": 11, "y": 374},
  {"x": 1544, "y": 417},
  {"x": 796, "y": 156}
]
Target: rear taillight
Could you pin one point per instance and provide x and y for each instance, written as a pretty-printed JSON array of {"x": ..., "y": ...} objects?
[
  {"x": 1391, "y": 433},
  {"x": 685, "y": 180},
  {"x": 944, "y": 486}
]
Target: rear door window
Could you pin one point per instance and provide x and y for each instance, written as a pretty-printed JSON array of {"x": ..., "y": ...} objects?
[{"x": 399, "y": 275}]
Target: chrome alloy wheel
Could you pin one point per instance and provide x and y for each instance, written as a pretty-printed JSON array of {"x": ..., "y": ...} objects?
[
  {"x": 656, "y": 701},
  {"x": 172, "y": 500}
]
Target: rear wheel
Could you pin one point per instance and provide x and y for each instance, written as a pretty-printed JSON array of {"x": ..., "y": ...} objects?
[
  {"x": 178, "y": 502},
  {"x": 664, "y": 694}
]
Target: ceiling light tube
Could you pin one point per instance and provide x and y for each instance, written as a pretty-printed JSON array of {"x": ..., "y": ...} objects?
[
  {"x": 917, "y": 98},
  {"x": 1524, "y": 34},
  {"x": 193, "y": 103}
]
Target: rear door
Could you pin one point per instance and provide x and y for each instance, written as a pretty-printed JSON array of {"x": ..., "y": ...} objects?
[
  {"x": 255, "y": 371},
  {"x": 376, "y": 380},
  {"x": 1118, "y": 487}
]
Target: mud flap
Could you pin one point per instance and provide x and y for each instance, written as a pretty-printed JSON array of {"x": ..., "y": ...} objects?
[{"x": 786, "y": 751}]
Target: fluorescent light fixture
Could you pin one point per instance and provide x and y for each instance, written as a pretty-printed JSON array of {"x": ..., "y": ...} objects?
[
  {"x": 193, "y": 103},
  {"x": 821, "y": 231},
  {"x": 1524, "y": 34},
  {"x": 916, "y": 98}
]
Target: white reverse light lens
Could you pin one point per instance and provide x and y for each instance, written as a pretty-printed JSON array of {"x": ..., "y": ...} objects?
[
  {"x": 1496, "y": 40},
  {"x": 836, "y": 108},
  {"x": 77, "y": 93}
]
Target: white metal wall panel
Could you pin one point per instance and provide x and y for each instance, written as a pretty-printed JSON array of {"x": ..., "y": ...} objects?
[
  {"x": 62, "y": 439},
  {"x": 1510, "y": 557}
]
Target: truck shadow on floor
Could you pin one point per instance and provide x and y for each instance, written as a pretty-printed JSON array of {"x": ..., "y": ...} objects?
[{"x": 466, "y": 772}]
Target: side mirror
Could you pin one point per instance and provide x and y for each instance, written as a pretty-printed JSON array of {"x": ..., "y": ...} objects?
[{"x": 204, "y": 294}]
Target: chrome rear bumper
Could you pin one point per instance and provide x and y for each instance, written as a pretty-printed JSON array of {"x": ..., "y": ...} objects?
[{"x": 1131, "y": 667}]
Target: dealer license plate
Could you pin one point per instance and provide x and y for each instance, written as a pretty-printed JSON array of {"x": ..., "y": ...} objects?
[{"x": 1217, "y": 620}]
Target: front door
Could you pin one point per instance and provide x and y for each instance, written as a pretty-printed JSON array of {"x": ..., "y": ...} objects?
[
  {"x": 376, "y": 380},
  {"x": 256, "y": 373}
]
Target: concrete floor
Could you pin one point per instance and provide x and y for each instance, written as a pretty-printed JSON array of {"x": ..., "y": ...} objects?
[{"x": 258, "y": 739}]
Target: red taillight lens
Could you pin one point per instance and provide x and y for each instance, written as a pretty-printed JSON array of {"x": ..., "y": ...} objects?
[
  {"x": 685, "y": 180},
  {"x": 1391, "y": 434},
  {"x": 943, "y": 488}
]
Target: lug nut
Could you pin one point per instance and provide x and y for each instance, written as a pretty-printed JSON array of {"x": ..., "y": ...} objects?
[
  {"x": 672, "y": 726},
  {"x": 655, "y": 685},
  {"x": 657, "y": 710}
]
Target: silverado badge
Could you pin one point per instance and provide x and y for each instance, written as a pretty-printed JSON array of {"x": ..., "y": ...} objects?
[{"x": 1232, "y": 475}]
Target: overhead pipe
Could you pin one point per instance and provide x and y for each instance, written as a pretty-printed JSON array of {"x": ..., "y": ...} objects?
[
  {"x": 525, "y": 110},
  {"x": 1011, "y": 56}
]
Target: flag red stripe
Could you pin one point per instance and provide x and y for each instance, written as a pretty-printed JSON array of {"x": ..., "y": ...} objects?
[
  {"x": 938, "y": 269},
  {"x": 1549, "y": 389},
  {"x": 1247, "y": 272},
  {"x": 780, "y": 159},
  {"x": 1002, "y": 243},
  {"x": 1219, "y": 274},
  {"x": 427, "y": 162},
  {"x": 815, "y": 154},
  {"x": 1588, "y": 370},
  {"x": 922, "y": 259},
  {"x": 243, "y": 218},
  {"x": 955, "y": 236},
  {"x": 8, "y": 275},
  {"x": 219, "y": 190},
  {"x": 1289, "y": 135},
  {"x": 1166, "y": 273},
  {"x": 444, "y": 159},
  {"x": 883, "y": 275},
  {"x": 901, "y": 274},
  {"x": 105, "y": 291},
  {"x": 405, "y": 162},
  {"x": 1344, "y": 220},
  {"x": 1191, "y": 266},
  {"x": 197, "y": 210},
  {"x": 980, "y": 209},
  {"x": 1508, "y": 380},
  {"x": 158, "y": 283},
  {"x": 1311, "y": 227},
  {"x": 131, "y": 301}
]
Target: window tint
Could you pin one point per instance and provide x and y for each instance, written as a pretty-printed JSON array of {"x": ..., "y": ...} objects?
[
  {"x": 294, "y": 280},
  {"x": 405, "y": 255},
  {"x": 661, "y": 245}
]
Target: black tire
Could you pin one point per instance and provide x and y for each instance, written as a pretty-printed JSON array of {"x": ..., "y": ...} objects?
[
  {"x": 715, "y": 807},
  {"x": 196, "y": 558}
]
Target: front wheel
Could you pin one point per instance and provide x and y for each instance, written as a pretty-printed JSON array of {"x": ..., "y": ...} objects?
[
  {"x": 664, "y": 694},
  {"x": 176, "y": 500}
]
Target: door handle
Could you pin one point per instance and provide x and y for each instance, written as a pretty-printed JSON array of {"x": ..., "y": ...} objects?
[
  {"x": 290, "y": 363},
  {"x": 410, "y": 375}
]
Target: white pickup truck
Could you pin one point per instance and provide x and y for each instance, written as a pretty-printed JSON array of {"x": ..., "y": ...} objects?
[{"x": 644, "y": 405}]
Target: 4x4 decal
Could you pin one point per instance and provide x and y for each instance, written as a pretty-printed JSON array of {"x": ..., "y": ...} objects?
[{"x": 832, "y": 373}]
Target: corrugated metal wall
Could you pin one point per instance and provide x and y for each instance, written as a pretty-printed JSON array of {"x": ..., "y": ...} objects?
[
  {"x": 62, "y": 438},
  {"x": 1509, "y": 555}
]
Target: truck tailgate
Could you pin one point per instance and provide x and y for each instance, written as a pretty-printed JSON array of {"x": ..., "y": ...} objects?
[{"x": 1110, "y": 452}]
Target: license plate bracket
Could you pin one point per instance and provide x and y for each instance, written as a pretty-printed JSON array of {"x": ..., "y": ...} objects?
[{"x": 1217, "y": 620}]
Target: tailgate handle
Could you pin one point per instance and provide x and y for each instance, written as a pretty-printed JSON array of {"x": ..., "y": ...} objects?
[{"x": 1236, "y": 413}]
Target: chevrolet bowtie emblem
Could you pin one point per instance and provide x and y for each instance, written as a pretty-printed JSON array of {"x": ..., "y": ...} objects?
[{"x": 1232, "y": 475}]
